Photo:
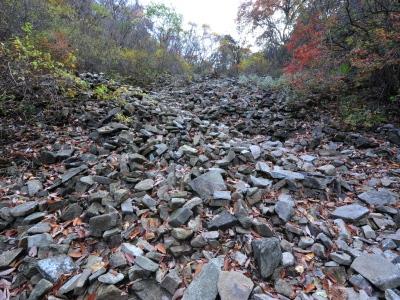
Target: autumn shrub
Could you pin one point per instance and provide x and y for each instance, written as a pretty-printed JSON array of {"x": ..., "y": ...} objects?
[{"x": 32, "y": 81}]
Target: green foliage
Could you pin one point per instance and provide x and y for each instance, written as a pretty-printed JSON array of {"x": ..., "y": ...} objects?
[
  {"x": 123, "y": 119},
  {"x": 264, "y": 82},
  {"x": 356, "y": 114}
]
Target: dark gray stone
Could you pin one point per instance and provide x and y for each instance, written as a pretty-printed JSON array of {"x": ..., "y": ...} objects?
[
  {"x": 378, "y": 270},
  {"x": 205, "y": 185},
  {"x": 222, "y": 221},
  {"x": 378, "y": 198},
  {"x": 352, "y": 212},
  {"x": 41, "y": 288},
  {"x": 268, "y": 255},
  {"x": 180, "y": 216}
]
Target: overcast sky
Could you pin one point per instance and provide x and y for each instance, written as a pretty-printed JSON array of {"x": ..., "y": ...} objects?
[{"x": 219, "y": 14}]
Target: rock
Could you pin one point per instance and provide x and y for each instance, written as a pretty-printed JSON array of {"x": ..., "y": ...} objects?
[
  {"x": 40, "y": 240},
  {"x": 284, "y": 208},
  {"x": 268, "y": 255},
  {"x": 329, "y": 170},
  {"x": 111, "y": 278},
  {"x": 41, "y": 288},
  {"x": 53, "y": 268},
  {"x": 204, "y": 284},
  {"x": 146, "y": 264},
  {"x": 305, "y": 242},
  {"x": 255, "y": 151},
  {"x": 180, "y": 250},
  {"x": 107, "y": 292},
  {"x": 378, "y": 270},
  {"x": 181, "y": 233},
  {"x": 205, "y": 185},
  {"x": 131, "y": 249},
  {"x": 69, "y": 285},
  {"x": 34, "y": 186},
  {"x": 284, "y": 288},
  {"x": 149, "y": 290},
  {"x": 117, "y": 259},
  {"x": 71, "y": 212},
  {"x": 145, "y": 185},
  {"x": 279, "y": 173},
  {"x": 171, "y": 282},
  {"x": 378, "y": 198},
  {"x": 23, "y": 210},
  {"x": 222, "y": 221},
  {"x": 288, "y": 259},
  {"x": 392, "y": 295},
  {"x": 369, "y": 233},
  {"x": 7, "y": 257},
  {"x": 180, "y": 217},
  {"x": 341, "y": 258},
  {"x": 234, "y": 286},
  {"x": 111, "y": 128},
  {"x": 260, "y": 182},
  {"x": 72, "y": 173},
  {"x": 103, "y": 222},
  {"x": 351, "y": 213}
]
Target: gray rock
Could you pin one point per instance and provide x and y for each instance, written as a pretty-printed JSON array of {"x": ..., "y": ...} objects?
[
  {"x": 72, "y": 173},
  {"x": 341, "y": 258},
  {"x": 369, "y": 233},
  {"x": 305, "y": 242},
  {"x": 103, "y": 222},
  {"x": 34, "y": 186},
  {"x": 392, "y": 295},
  {"x": 234, "y": 286},
  {"x": 107, "y": 292},
  {"x": 180, "y": 216},
  {"x": 131, "y": 250},
  {"x": 171, "y": 282},
  {"x": 378, "y": 270},
  {"x": 41, "y": 288},
  {"x": 205, "y": 185},
  {"x": 279, "y": 173},
  {"x": 204, "y": 285},
  {"x": 149, "y": 290},
  {"x": 260, "y": 182},
  {"x": 352, "y": 212},
  {"x": 284, "y": 208},
  {"x": 288, "y": 259},
  {"x": 146, "y": 264},
  {"x": 378, "y": 198},
  {"x": 255, "y": 151},
  {"x": 284, "y": 288},
  {"x": 149, "y": 202},
  {"x": 268, "y": 255},
  {"x": 181, "y": 233},
  {"x": 69, "y": 285},
  {"x": 53, "y": 268},
  {"x": 145, "y": 185},
  {"x": 40, "y": 240},
  {"x": 111, "y": 278},
  {"x": 111, "y": 128},
  {"x": 71, "y": 212},
  {"x": 7, "y": 257},
  {"x": 222, "y": 221},
  {"x": 24, "y": 209}
]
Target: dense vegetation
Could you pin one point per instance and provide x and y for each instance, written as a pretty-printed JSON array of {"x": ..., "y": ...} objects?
[{"x": 346, "y": 50}]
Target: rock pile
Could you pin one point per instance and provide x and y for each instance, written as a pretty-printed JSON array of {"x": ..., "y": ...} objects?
[{"x": 211, "y": 190}]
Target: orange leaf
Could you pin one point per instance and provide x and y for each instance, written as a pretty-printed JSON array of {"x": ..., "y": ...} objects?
[
  {"x": 91, "y": 296},
  {"x": 161, "y": 248},
  {"x": 309, "y": 288}
]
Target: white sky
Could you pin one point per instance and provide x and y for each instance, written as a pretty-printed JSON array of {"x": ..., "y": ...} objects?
[{"x": 219, "y": 14}]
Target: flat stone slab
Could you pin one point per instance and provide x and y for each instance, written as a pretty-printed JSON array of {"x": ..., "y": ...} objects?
[
  {"x": 204, "y": 285},
  {"x": 53, "y": 268},
  {"x": 378, "y": 198},
  {"x": 205, "y": 185},
  {"x": 234, "y": 286},
  {"x": 378, "y": 270},
  {"x": 352, "y": 212}
]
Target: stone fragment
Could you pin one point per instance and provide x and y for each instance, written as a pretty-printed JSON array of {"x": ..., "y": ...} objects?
[
  {"x": 205, "y": 185},
  {"x": 53, "y": 268},
  {"x": 234, "y": 286},
  {"x": 284, "y": 208},
  {"x": 268, "y": 255},
  {"x": 145, "y": 185},
  {"x": 222, "y": 221},
  {"x": 204, "y": 285},
  {"x": 24, "y": 209},
  {"x": 378, "y": 270},
  {"x": 378, "y": 198},
  {"x": 41, "y": 288},
  {"x": 351, "y": 213},
  {"x": 7, "y": 257},
  {"x": 180, "y": 216}
]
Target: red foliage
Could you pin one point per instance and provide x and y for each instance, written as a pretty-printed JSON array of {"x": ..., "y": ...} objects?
[{"x": 305, "y": 45}]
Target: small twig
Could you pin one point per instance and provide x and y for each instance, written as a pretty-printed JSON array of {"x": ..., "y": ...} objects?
[{"x": 9, "y": 69}]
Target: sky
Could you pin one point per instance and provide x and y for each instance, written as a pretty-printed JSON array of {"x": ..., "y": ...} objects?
[{"x": 219, "y": 14}]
